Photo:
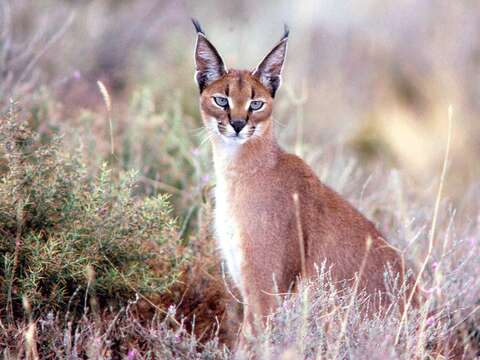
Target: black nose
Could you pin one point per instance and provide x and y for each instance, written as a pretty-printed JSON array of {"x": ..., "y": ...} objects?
[{"x": 238, "y": 125}]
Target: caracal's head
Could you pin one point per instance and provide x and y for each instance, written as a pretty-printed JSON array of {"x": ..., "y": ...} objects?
[{"x": 236, "y": 105}]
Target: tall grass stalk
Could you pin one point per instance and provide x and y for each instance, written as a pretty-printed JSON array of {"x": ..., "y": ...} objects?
[
  {"x": 108, "y": 105},
  {"x": 431, "y": 237}
]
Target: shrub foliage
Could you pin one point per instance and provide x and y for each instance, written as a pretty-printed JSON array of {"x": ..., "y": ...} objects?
[{"x": 65, "y": 234}]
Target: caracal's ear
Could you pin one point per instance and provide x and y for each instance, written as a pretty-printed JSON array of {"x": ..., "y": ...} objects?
[
  {"x": 209, "y": 65},
  {"x": 269, "y": 71}
]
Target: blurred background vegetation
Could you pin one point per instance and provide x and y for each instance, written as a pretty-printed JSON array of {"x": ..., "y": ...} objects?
[
  {"x": 366, "y": 85},
  {"x": 375, "y": 75}
]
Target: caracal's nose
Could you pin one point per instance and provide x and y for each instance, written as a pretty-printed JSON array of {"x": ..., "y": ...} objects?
[{"x": 238, "y": 125}]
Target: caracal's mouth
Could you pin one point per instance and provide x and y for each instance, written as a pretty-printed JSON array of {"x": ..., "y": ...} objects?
[
  {"x": 230, "y": 136},
  {"x": 234, "y": 138}
]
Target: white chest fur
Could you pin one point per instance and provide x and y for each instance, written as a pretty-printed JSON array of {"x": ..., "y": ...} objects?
[{"x": 227, "y": 231}]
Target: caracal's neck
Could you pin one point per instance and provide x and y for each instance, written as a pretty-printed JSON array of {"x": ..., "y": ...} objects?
[{"x": 235, "y": 159}]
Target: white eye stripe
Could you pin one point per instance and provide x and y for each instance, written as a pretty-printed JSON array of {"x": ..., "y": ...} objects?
[{"x": 230, "y": 103}]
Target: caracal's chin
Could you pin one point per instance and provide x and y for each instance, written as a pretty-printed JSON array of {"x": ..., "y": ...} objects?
[{"x": 234, "y": 139}]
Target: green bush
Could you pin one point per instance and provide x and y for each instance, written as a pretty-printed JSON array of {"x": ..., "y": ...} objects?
[{"x": 65, "y": 234}]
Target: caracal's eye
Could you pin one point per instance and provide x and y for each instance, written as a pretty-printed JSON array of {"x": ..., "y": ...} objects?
[
  {"x": 256, "y": 105},
  {"x": 221, "y": 101}
]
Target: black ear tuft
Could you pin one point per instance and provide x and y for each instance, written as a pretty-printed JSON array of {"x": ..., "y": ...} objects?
[
  {"x": 286, "y": 31},
  {"x": 198, "y": 27}
]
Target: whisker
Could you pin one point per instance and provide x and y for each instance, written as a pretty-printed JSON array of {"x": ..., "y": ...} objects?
[
  {"x": 279, "y": 123},
  {"x": 207, "y": 138},
  {"x": 201, "y": 131},
  {"x": 197, "y": 130}
]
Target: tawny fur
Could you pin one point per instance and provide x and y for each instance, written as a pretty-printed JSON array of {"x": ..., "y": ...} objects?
[{"x": 256, "y": 222}]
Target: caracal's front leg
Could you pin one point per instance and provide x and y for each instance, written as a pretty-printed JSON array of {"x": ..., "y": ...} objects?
[{"x": 264, "y": 280}]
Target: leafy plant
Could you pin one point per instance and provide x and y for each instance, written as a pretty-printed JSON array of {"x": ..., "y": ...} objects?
[{"x": 64, "y": 233}]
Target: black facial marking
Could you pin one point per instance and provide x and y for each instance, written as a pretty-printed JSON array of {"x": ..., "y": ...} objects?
[
  {"x": 202, "y": 80},
  {"x": 274, "y": 83},
  {"x": 227, "y": 90}
]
